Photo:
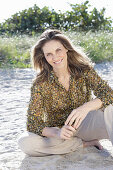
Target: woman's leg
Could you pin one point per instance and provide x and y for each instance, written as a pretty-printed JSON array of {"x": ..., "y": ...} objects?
[
  {"x": 35, "y": 145},
  {"x": 97, "y": 125},
  {"x": 108, "y": 117}
]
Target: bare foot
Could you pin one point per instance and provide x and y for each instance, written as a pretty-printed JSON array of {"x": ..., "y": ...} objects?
[{"x": 95, "y": 143}]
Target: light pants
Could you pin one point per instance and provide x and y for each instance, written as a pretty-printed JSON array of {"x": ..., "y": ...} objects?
[{"x": 96, "y": 125}]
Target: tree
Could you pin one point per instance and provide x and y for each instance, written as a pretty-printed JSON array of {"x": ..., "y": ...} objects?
[{"x": 34, "y": 19}]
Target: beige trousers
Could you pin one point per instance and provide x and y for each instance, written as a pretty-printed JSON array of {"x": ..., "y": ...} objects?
[{"x": 96, "y": 125}]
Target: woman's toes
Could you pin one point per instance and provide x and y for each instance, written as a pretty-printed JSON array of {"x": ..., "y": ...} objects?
[{"x": 98, "y": 145}]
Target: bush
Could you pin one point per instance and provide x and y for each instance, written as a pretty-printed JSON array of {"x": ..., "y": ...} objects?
[
  {"x": 97, "y": 45},
  {"x": 33, "y": 20},
  {"x": 15, "y": 50}
]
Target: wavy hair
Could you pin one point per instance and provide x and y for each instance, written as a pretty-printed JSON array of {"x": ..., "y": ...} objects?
[{"x": 77, "y": 60}]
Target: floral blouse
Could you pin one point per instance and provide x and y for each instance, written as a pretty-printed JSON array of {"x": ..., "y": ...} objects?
[{"x": 50, "y": 103}]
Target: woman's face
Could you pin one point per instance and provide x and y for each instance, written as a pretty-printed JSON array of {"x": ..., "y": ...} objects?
[{"x": 55, "y": 54}]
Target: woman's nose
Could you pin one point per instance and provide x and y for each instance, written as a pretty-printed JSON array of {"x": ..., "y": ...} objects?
[{"x": 55, "y": 56}]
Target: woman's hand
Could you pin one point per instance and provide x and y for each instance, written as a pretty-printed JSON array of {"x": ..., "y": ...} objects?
[
  {"x": 77, "y": 116},
  {"x": 66, "y": 132}
]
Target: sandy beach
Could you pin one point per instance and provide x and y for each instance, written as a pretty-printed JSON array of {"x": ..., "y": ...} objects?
[{"x": 14, "y": 97}]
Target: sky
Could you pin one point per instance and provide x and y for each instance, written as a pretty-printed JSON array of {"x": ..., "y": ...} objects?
[{"x": 10, "y": 7}]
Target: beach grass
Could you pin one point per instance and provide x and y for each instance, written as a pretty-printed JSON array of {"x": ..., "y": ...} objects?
[{"x": 15, "y": 50}]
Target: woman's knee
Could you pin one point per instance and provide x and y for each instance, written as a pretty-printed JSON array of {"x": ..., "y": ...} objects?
[
  {"x": 22, "y": 142},
  {"x": 108, "y": 117},
  {"x": 30, "y": 145},
  {"x": 108, "y": 113},
  {"x": 25, "y": 145}
]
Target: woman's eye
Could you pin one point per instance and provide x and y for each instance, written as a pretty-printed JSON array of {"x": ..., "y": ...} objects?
[
  {"x": 48, "y": 55},
  {"x": 59, "y": 49}
]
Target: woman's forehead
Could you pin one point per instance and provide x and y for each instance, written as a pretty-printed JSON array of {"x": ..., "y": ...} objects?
[{"x": 52, "y": 44}]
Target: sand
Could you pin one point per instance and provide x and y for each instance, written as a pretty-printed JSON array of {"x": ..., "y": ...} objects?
[{"x": 14, "y": 97}]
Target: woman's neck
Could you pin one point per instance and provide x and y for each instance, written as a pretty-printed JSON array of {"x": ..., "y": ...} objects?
[
  {"x": 62, "y": 73},
  {"x": 64, "y": 78}
]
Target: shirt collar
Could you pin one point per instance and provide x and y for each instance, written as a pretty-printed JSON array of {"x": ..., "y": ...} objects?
[{"x": 54, "y": 79}]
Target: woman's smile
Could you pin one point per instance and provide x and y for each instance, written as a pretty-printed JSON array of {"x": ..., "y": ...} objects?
[{"x": 58, "y": 62}]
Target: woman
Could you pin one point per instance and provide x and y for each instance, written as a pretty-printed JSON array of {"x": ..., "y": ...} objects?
[{"x": 62, "y": 115}]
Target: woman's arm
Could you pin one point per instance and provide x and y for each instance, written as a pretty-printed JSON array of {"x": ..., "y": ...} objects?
[
  {"x": 36, "y": 111},
  {"x": 101, "y": 90},
  {"x": 100, "y": 87},
  {"x": 50, "y": 131},
  {"x": 35, "y": 118},
  {"x": 94, "y": 104}
]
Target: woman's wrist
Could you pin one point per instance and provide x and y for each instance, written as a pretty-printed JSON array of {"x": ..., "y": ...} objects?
[
  {"x": 87, "y": 107},
  {"x": 94, "y": 104},
  {"x": 50, "y": 131}
]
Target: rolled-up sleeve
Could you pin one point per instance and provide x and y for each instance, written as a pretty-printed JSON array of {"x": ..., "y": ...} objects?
[
  {"x": 100, "y": 87},
  {"x": 36, "y": 115}
]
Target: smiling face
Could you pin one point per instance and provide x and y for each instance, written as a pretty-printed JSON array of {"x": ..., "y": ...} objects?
[{"x": 55, "y": 54}]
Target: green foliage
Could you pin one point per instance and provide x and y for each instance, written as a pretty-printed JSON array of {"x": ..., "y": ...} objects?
[
  {"x": 97, "y": 45},
  {"x": 34, "y": 20},
  {"x": 78, "y": 18},
  {"x": 15, "y": 50}
]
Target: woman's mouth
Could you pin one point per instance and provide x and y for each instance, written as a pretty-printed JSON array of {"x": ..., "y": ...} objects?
[{"x": 58, "y": 62}]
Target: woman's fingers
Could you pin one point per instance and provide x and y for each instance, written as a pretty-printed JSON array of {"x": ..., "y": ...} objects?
[
  {"x": 67, "y": 132},
  {"x": 77, "y": 123},
  {"x": 69, "y": 118},
  {"x": 72, "y": 120},
  {"x": 76, "y": 117},
  {"x": 66, "y": 138},
  {"x": 70, "y": 128},
  {"x": 68, "y": 135}
]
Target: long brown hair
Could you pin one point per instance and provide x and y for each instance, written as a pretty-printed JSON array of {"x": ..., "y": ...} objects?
[{"x": 77, "y": 60}]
